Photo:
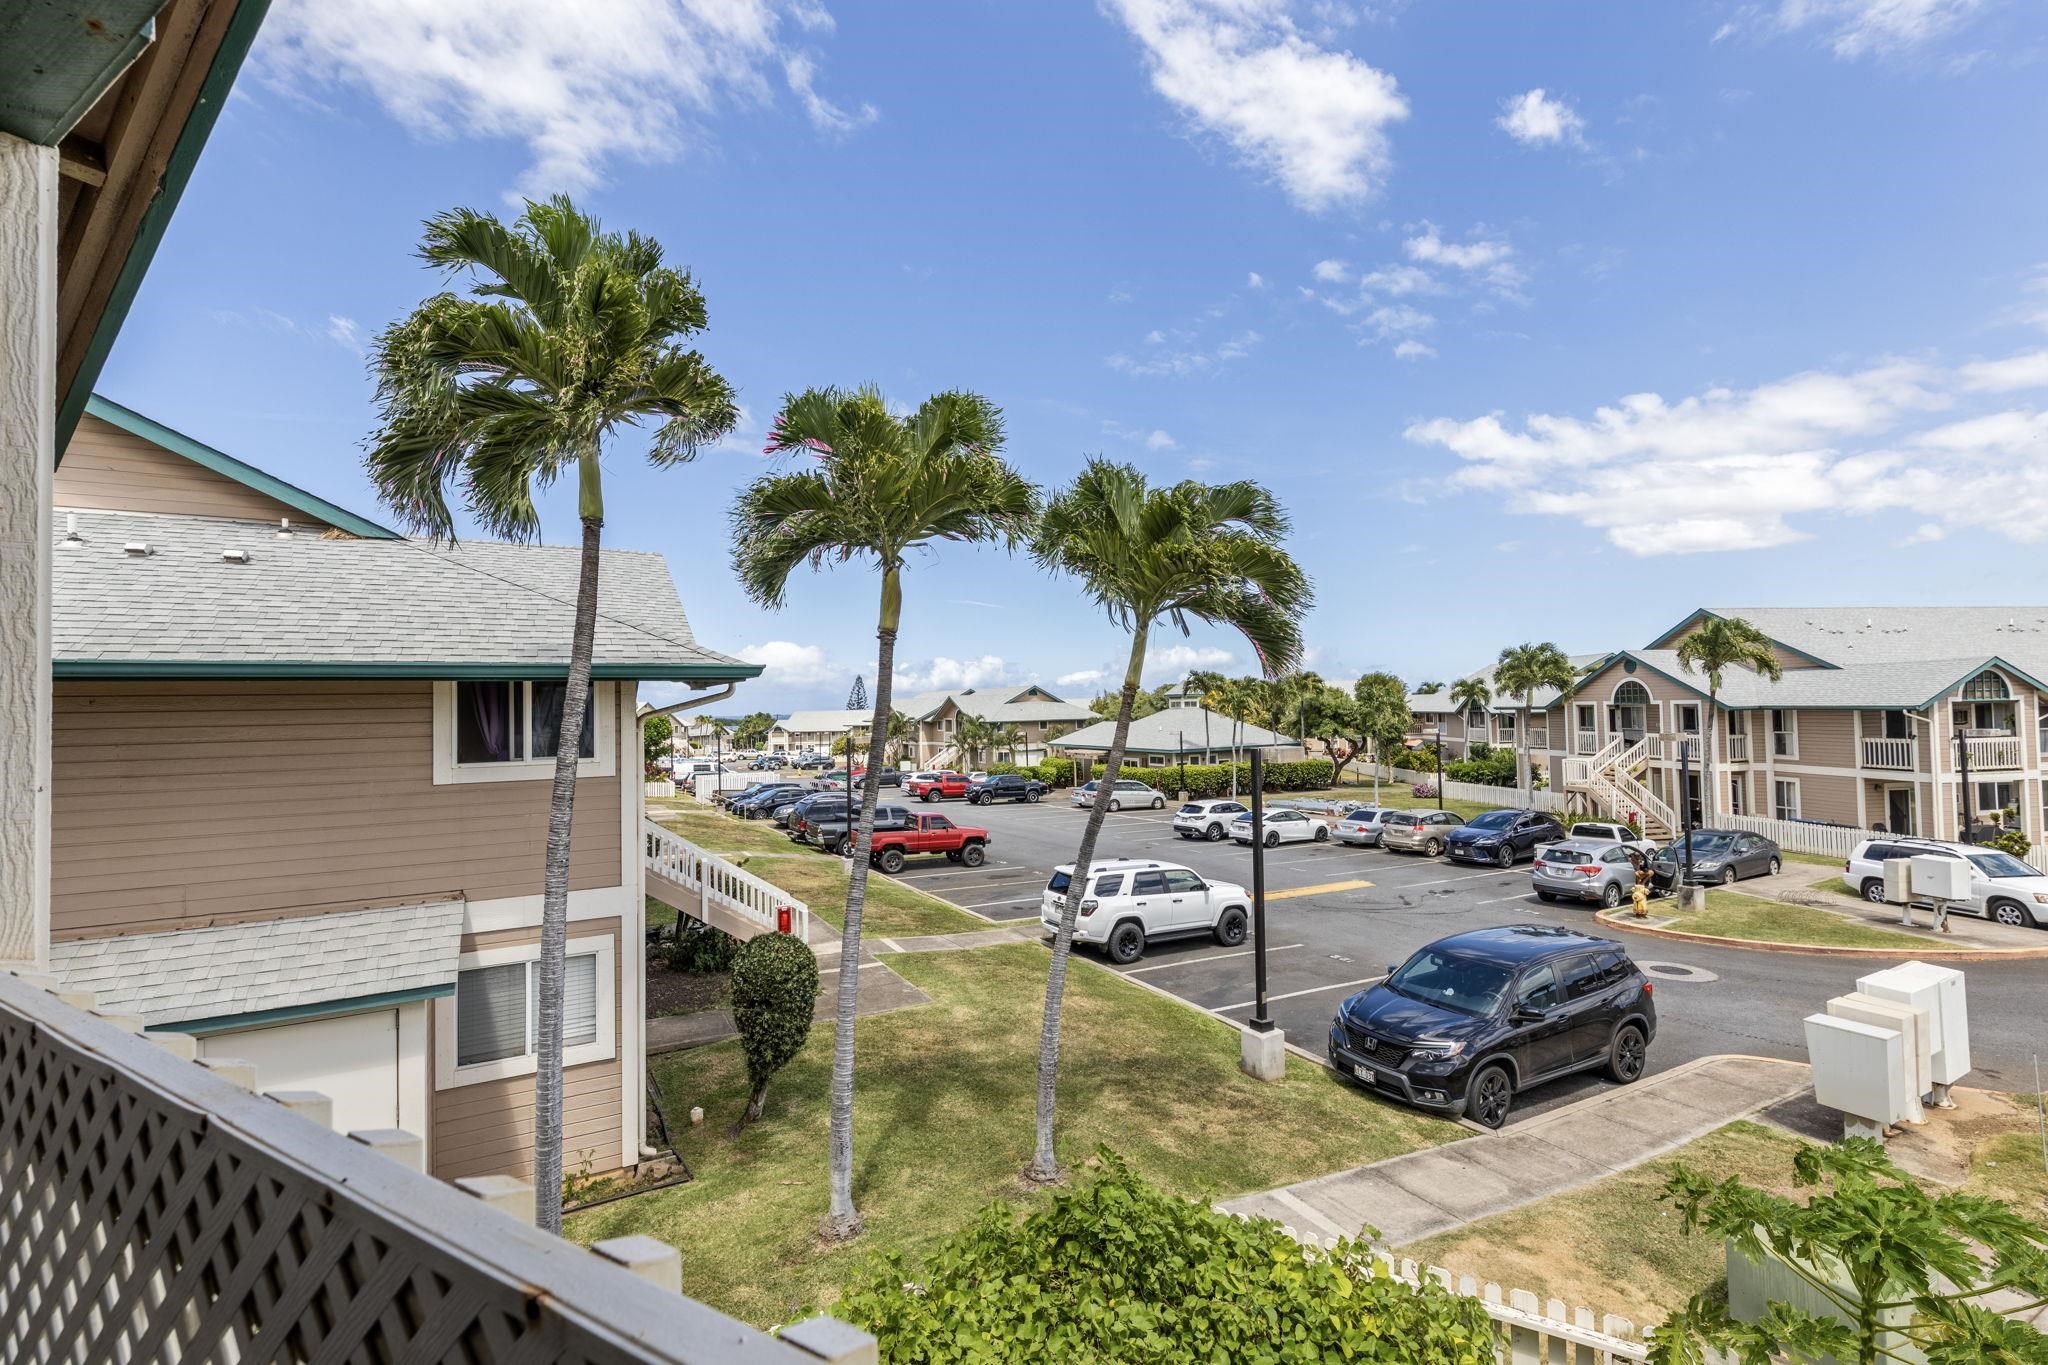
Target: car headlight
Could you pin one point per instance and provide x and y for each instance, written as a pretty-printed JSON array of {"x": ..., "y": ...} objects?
[
  {"x": 2041, "y": 898},
  {"x": 1436, "y": 1051},
  {"x": 1708, "y": 865}
]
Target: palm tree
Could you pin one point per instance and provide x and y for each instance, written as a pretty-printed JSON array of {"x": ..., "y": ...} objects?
[
  {"x": 1006, "y": 738},
  {"x": 900, "y": 728},
  {"x": 1210, "y": 552},
  {"x": 883, "y": 486},
  {"x": 1522, "y": 671},
  {"x": 974, "y": 735},
  {"x": 1466, "y": 694},
  {"x": 1719, "y": 642},
  {"x": 567, "y": 334}
]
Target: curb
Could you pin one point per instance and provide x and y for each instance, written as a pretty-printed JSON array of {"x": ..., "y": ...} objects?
[{"x": 1627, "y": 925}]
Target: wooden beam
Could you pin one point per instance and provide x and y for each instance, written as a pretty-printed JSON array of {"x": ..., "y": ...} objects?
[{"x": 82, "y": 160}]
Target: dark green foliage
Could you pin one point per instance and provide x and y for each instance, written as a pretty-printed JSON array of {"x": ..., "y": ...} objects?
[
  {"x": 2013, "y": 841},
  {"x": 1491, "y": 768},
  {"x": 1213, "y": 779},
  {"x": 698, "y": 948},
  {"x": 655, "y": 734},
  {"x": 774, "y": 988},
  {"x": 1055, "y": 772},
  {"x": 1120, "y": 1271}
]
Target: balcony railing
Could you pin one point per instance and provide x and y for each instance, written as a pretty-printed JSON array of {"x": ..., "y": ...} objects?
[
  {"x": 1735, "y": 748},
  {"x": 1587, "y": 741},
  {"x": 1888, "y": 753},
  {"x": 1539, "y": 738},
  {"x": 1998, "y": 751},
  {"x": 157, "y": 1210}
]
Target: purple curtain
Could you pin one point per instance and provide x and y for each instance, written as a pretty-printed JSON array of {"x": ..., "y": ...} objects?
[{"x": 493, "y": 721}]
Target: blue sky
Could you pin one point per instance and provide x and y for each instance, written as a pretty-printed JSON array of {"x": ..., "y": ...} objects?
[{"x": 1546, "y": 321}]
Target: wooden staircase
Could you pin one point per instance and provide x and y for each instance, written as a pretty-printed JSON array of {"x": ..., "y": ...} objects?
[{"x": 1610, "y": 779}]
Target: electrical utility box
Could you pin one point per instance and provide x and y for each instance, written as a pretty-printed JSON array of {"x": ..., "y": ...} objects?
[
  {"x": 1940, "y": 991},
  {"x": 1860, "y": 1070},
  {"x": 1898, "y": 881},
  {"x": 1914, "y": 1025},
  {"x": 1941, "y": 879}
]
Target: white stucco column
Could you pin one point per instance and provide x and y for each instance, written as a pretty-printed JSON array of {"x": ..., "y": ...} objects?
[{"x": 28, "y": 425}]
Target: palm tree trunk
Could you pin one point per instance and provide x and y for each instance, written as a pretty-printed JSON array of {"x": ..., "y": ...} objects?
[
  {"x": 1523, "y": 778},
  {"x": 1045, "y": 1167},
  {"x": 1707, "y": 792},
  {"x": 842, "y": 1221},
  {"x": 554, "y": 903}
]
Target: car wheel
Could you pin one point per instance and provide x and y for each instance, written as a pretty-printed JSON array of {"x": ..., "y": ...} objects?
[
  {"x": 1231, "y": 929},
  {"x": 1487, "y": 1103},
  {"x": 890, "y": 861},
  {"x": 1873, "y": 890},
  {"x": 1322, "y": 835},
  {"x": 1727, "y": 876},
  {"x": 1126, "y": 944},
  {"x": 1611, "y": 897},
  {"x": 845, "y": 846},
  {"x": 1114, "y": 805},
  {"x": 1031, "y": 798},
  {"x": 954, "y": 856},
  {"x": 1627, "y": 1055},
  {"x": 1507, "y": 856},
  {"x": 1215, "y": 833},
  {"x": 972, "y": 855},
  {"x": 1545, "y": 896},
  {"x": 1272, "y": 838},
  {"x": 1433, "y": 847},
  {"x": 1158, "y": 803},
  {"x": 2010, "y": 912},
  {"x": 931, "y": 796},
  {"x": 1775, "y": 865}
]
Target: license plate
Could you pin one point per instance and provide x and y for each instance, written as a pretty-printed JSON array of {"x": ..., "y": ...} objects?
[{"x": 1364, "y": 1072}]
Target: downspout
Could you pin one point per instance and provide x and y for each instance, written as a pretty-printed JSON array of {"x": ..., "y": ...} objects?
[{"x": 701, "y": 699}]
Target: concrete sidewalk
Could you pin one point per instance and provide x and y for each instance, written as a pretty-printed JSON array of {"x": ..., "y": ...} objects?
[{"x": 1423, "y": 1193}]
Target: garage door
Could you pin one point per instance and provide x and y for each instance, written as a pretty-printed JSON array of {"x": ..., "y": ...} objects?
[{"x": 352, "y": 1059}]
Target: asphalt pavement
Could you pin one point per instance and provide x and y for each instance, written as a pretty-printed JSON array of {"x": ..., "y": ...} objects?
[{"x": 1337, "y": 916}]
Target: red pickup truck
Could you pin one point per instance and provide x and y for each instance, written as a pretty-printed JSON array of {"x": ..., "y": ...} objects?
[
  {"x": 934, "y": 786},
  {"x": 928, "y": 834}
]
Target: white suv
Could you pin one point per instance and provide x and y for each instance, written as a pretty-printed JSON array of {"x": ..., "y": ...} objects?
[
  {"x": 1207, "y": 819},
  {"x": 2002, "y": 888},
  {"x": 1132, "y": 901}
]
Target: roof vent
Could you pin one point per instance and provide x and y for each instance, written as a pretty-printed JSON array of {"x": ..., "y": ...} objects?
[
  {"x": 284, "y": 528},
  {"x": 138, "y": 549},
  {"x": 235, "y": 556},
  {"x": 72, "y": 540}
]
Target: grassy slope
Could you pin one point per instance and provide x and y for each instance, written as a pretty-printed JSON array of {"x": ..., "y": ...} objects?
[
  {"x": 1729, "y": 914},
  {"x": 943, "y": 1123}
]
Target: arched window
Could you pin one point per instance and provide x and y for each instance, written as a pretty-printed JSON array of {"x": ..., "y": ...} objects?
[
  {"x": 1986, "y": 686},
  {"x": 1631, "y": 693}
]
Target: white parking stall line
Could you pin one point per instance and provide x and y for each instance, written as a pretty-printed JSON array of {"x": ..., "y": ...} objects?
[
  {"x": 1498, "y": 899},
  {"x": 1468, "y": 877},
  {"x": 1312, "y": 990},
  {"x": 1210, "y": 957},
  {"x": 990, "y": 905}
]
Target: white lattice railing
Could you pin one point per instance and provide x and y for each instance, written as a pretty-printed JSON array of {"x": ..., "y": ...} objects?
[
  {"x": 1998, "y": 751},
  {"x": 1737, "y": 747},
  {"x": 760, "y": 902},
  {"x": 1888, "y": 753},
  {"x": 156, "y": 1210}
]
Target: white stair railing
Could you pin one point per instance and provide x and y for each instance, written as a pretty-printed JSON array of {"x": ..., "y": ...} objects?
[{"x": 727, "y": 884}]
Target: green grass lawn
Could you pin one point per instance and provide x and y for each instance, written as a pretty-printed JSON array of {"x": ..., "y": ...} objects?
[
  {"x": 659, "y": 916},
  {"x": 893, "y": 909},
  {"x": 1816, "y": 859},
  {"x": 943, "y": 1124},
  {"x": 1730, "y": 914},
  {"x": 1837, "y": 886}
]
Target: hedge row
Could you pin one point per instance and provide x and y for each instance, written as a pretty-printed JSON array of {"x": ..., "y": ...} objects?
[{"x": 1203, "y": 779}]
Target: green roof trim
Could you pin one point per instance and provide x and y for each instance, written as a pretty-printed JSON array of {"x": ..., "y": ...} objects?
[
  {"x": 1701, "y": 612},
  {"x": 258, "y": 669},
  {"x": 213, "y": 96},
  {"x": 318, "y": 1009},
  {"x": 56, "y": 60},
  {"x": 228, "y": 467}
]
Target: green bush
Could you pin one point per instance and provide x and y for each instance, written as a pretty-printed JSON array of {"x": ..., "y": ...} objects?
[
  {"x": 1491, "y": 768},
  {"x": 698, "y": 948},
  {"x": 2013, "y": 841},
  {"x": 997, "y": 769},
  {"x": 1118, "y": 1271},
  {"x": 1056, "y": 772},
  {"x": 774, "y": 988}
]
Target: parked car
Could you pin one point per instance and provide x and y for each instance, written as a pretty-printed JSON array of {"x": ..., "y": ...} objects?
[
  {"x": 1610, "y": 832},
  {"x": 1584, "y": 871},
  {"x": 1502, "y": 837},
  {"x": 926, "y": 834},
  {"x": 810, "y": 806},
  {"x": 1127, "y": 793},
  {"x": 1132, "y": 902},
  {"x": 977, "y": 776},
  {"x": 725, "y": 798},
  {"x": 1719, "y": 855},
  {"x": 763, "y": 803},
  {"x": 886, "y": 777},
  {"x": 766, "y": 763},
  {"x": 830, "y": 830},
  {"x": 1282, "y": 826},
  {"x": 1005, "y": 787},
  {"x": 2002, "y": 887},
  {"x": 935, "y": 786},
  {"x": 1207, "y": 819},
  {"x": 1418, "y": 831},
  {"x": 1360, "y": 825},
  {"x": 805, "y": 761},
  {"x": 1468, "y": 1022}
]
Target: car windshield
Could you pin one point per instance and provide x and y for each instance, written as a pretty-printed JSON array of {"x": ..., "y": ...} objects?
[
  {"x": 1995, "y": 864},
  {"x": 1565, "y": 855},
  {"x": 1191, "y": 808},
  {"x": 1703, "y": 843},
  {"x": 1493, "y": 819},
  {"x": 1473, "y": 988},
  {"x": 1061, "y": 880}
]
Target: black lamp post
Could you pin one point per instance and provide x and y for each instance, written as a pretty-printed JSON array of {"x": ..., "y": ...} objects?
[
  {"x": 1261, "y": 1019},
  {"x": 1439, "y": 765},
  {"x": 1963, "y": 782},
  {"x": 1685, "y": 806}
]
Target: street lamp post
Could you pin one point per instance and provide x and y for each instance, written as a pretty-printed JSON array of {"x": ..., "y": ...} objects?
[
  {"x": 1439, "y": 765},
  {"x": 1261, "y": 1019},
  {"x": 1685, "y": 806},
  {"x": 1963, "y": 783}
]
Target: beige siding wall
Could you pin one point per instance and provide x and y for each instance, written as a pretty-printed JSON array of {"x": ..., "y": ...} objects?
[
  {"x": 1598, "y": 691},
  {"x": 106, "y": 467},
  {"x": 1822, "y": 796},
  {"x": 1785, "y": 657},
  {"x": 487, "y": 1128},
  {"x": 179, "y": 804},
  {"x": 1827, "y": 739}
]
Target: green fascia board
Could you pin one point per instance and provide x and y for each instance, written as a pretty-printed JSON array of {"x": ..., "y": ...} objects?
[
  {"x": 176, "y": 669},
  {"x": 213, "y": 96},
  {"x": 318, "y": 1009},
  {"x": 1703, "y": 612},
  {"x": 227, "y": 466},
  {"x": 57, "y": 59},
  {"x": 1993, "y": 662}
]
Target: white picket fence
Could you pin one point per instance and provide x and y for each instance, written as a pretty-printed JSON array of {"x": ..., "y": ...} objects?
[
  {"x": 1543, "y": 799},
  {"x": 1831, "y": 841}
]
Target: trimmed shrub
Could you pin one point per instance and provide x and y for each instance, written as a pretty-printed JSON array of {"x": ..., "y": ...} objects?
[
  {"x": 2013, "y": 841},
  {"x": 1119, "y": 1271},
  {"x": 1493, "y": 768},
  {"x": 697, "y": 948},
  {"x": 774, "y": 988},
  {"x": 1056, "y": 772}
]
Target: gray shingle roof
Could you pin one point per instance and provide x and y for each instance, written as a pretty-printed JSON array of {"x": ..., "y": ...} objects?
[
  {"x": 208, "y": 973},
  {"x": 1847, "y": 636},
  {"x": 813, "y": 722},
  {"x": 1888, "y": 685},
  {"x": 1168, "y": 731},
  {"x": 305, "y": 604}
]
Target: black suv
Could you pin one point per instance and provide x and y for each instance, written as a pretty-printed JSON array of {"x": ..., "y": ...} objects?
[
  {"x": 1502, "y": 837},
  {"x": 1471, "y": 1019},
  {"x": 1005, "y": 787}
]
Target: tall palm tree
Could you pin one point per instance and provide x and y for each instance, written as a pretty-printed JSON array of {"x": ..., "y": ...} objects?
[
  {"x": 1522, "y": 671},
  {"x": 974, "y": 735},
  {"x": 1722, "y": 641},
  {"x": 901, "y": 727},
  {"x": 1466, "y": 694},
  {"x": 883, "y": 486},
  {"x": 567, "y": 333},
  {"x": 1210, "y": 552}
]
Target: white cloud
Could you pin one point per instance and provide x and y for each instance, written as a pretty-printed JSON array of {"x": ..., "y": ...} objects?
[
  {"x": 1332, "y": 272},
  {"x": 1175, "y": 660},
  {"x": 1535, "y": 119},
  {"x": 1159, "y": 440},
  {"x": 346, "y": 333},
  {"x": 1087, "y": 677},
  {"x": 790, "y": 664},
  {"x": 1255, "y": 281},
  {"x": 1398, "y": 319},
  {"x": 1858, "y": 28},
  {"x": 1173, "y": 361},
  {"x": 2028, "y": 370},
  {"x": 1400, "y": 280},
  {"x": 580, "y": 85},
  {"x": 1414, "y": 350},
  {"x": 1312, "y": 119},
  {"x": 1488, "y": 259},
  {"x": 943, "y": 674}
]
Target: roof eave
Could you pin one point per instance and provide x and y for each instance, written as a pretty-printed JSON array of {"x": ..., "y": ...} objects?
[{"x": 173, "y": 670}]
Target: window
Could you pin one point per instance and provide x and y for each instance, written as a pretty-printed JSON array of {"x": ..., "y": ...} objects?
[
  {"x": 490, "y": 1028},
  {"x": 499, "y": 729},
  {"x": 1986, "y": 686},
  {"x": 1785, "y": 734},
  {"x": 1631, "y": 693},
  {"x": 1735, "y": 806},
  {"x": 1735, "y": 723},
  {"x": 1896, "y": 726},
  {"x": 1110, "y": 885},
  {"x": 1583, "y": 976},
  {"x": 1538, "y": 989},
  {"x": 1785, "y": 800},
  {"x": 1149, "y": 884},
  {"x": 1994, "y": 797},
  {"x": 1475, "y": 717},
  {"x": 1180, "y": 880},
  {"x": 1688, "y": 717},
  {"x": 1506, "y": 723}
]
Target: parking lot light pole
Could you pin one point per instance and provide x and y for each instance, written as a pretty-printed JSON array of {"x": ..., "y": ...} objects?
[
  {"x": 1261, "y": 1048},
  {"x": 1439, "y": 765}
]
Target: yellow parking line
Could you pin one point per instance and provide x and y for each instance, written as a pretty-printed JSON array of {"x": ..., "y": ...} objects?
[{"x": 1315, "y": 890}]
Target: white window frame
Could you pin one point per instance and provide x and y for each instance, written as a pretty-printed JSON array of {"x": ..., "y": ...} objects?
[
  {"x": 1504, "y": 727},
  {"x": 1678, "y": 710},
  {"x": 1980, "y": 807},
  {"x": 1738, "y": 798},
  {"x": 603, "y": 763},
  {"x": 1790, "y": 732},
  {"x": 449, "y": 1075},
  {"x": 1777, "y": 807}
]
